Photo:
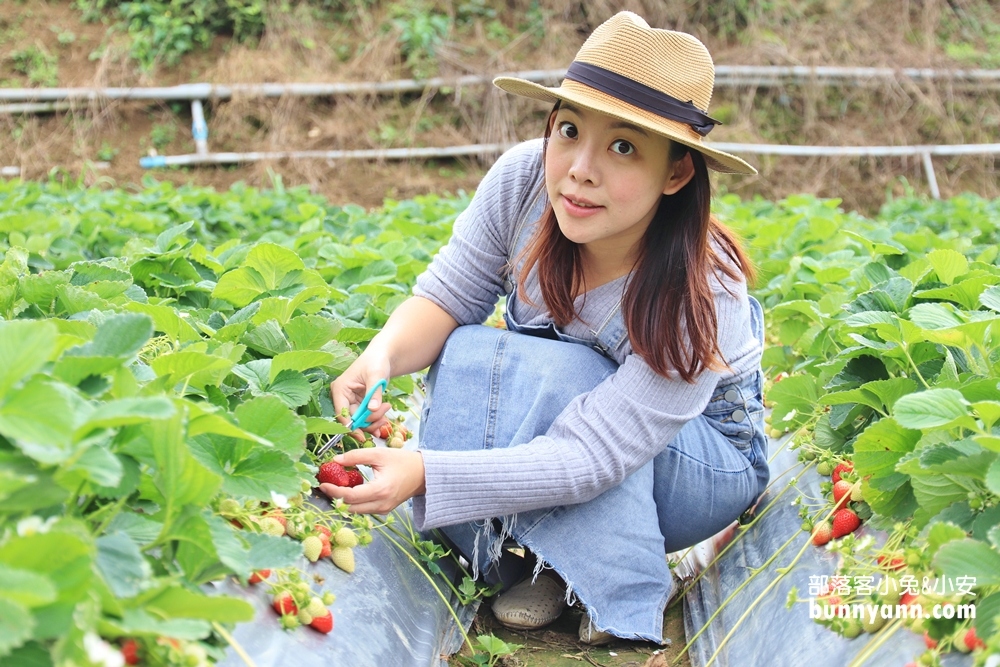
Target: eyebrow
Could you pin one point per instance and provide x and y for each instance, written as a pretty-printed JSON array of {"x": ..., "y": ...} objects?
[{"x": 617, "y": 125}]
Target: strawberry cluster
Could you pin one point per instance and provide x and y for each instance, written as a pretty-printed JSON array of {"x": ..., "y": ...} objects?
[
  {"x": 297, "y": 605},
  {"x": 849, "y": 504},
  {"x": 321, "y": 536}
]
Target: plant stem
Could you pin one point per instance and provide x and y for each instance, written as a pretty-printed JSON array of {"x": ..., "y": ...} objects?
[
  {"x": 732, "y": 595},
  {"x": 247, "y": 660},
  {"x": 774, "y": 582},
  {"x": 875, "y": 643},
  {"x": 437, "y": 589}
]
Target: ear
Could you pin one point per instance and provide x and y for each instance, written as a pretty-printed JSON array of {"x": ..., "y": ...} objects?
[{"x": 681, "y": 173}]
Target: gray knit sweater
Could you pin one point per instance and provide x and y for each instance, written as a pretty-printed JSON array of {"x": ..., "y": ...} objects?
[{"x": 602, "y": 436}]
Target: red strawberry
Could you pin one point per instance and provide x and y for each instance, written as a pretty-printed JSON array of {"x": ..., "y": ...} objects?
[
  {"x": 284, "y": 604},
  {"x": 906, "y": 599},
  {"x": 259, "y": 576},
  {"x": 822, "y": 534},
  {"x": 841, "y": 493},
  {"x": 322, "y": 530},
  {"x": 355, "y": 478},
  {"x": 929, "y": 641},
  {"x": 846, "y": 466},
  {"x": 326, "y": 550},
  {"x": 130, "y": 651},
  {"x": 279, "y": 516},
  {"x": 891, "y": 562},
  {"x": 322, "y": 624},
  {"x": 333, "y": 473},
  {"x": 972, "y": 641},
  {"x": 384, "y": 431},
  {"x": 845, "y": 522}
]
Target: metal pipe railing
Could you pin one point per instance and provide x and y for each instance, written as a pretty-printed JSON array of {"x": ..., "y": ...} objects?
[{"x": 725, "y": 75}]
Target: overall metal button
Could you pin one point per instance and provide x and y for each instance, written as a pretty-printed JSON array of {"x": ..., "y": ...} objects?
[
  {"x": 739, "y": 416},
  {"x": 744, "y": 435},
  {"x": 732, "y": 396}
]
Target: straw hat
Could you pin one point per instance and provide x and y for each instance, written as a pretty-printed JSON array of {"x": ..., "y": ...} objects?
[{"x": 660, "y": 80}]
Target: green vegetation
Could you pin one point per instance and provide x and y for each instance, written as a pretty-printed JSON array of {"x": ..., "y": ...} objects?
[
  {"x": 40, "y": 66},
  {"x": 154, "y": 329}
]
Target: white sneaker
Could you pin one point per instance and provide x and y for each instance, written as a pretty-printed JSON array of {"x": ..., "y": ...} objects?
[{"x": 528, "y": 606}]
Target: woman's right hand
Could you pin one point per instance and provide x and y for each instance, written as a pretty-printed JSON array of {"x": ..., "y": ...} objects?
[{"x": 348, "y": 390}]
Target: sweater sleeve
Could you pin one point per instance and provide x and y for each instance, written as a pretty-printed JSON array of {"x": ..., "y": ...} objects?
[
  {"x": 596, "y": 442},
  {"x": 465, "y": 277}
]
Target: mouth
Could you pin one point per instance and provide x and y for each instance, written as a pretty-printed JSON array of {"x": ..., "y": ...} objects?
[{"x": 580, "y": 203}]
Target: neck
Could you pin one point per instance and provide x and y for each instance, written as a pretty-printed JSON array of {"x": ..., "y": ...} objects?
[{"x": 601, "y": 265}]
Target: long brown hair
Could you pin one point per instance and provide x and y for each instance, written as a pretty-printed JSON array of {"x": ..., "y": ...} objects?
[{"x": 668, "y": 306}]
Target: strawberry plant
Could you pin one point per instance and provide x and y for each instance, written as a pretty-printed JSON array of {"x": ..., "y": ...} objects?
[
  {"x": 179, "y": 343},
  {"x": 165, "y": 374}
]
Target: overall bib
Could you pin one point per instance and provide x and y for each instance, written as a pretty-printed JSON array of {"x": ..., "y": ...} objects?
[{"x": 510, "y": 385}]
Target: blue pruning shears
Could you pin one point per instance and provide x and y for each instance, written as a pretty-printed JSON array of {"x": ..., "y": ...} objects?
[{"x": 358, "y": 420}]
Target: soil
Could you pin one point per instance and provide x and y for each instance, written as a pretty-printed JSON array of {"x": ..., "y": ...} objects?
[
  {"x": 557, "y": 645},
  {"x": 361, "y": 44}
]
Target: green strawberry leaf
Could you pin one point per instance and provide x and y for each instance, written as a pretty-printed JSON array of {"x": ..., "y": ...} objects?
[
  {"x": 932, "y": 408},
  {"x": 311, "y": 332},
  {"x": 948, "y": 264},
  {"x": 25, "y": 587},
  {"x": 271, "y": 418},
  {"x": 177, "y": 602},
  {"x": 991, "y": 298},
  {"x": 879, "y": 448},
  {"x": 969, "y": 558},
  {"x": 25, "y": 347},
  {"x": 122, "y": 565},
  {"x": 247, "y": 469},
  {"x": 292, "y": 387},
  {"x": 17, "y": 625}
]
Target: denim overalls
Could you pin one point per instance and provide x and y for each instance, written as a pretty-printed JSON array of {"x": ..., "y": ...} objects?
[{"x": 611, "y": 550}]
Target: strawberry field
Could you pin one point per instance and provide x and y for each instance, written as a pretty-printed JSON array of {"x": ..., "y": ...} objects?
[{"x": 165, "y": 356}]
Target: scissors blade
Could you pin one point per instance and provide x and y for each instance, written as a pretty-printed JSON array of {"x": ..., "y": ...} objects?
[{"x": 329, "y": 444}]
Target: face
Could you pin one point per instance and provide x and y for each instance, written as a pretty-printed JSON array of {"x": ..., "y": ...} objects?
[{"x": 605, "y": 178}]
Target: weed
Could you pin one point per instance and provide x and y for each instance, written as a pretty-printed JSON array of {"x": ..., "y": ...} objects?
[
  {"x": 64, "y": 37},
  {"x": 39, "y": 65},
  {"x": 106, "y": 152},
  {"x": 489, "y": 649},
  {"x": 162, "y": 135},
  {"x": 421, "y": 32}
]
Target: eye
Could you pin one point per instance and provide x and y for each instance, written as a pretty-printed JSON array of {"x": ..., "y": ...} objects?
[
  {"x": 567, "y": 130},
  {"x": 622, "y": 147}
]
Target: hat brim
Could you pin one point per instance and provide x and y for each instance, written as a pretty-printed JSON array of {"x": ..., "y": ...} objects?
[{"x": 590, "y": 98}]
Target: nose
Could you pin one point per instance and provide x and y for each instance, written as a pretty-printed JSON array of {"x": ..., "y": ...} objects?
[{"x": 584, "y": 168}]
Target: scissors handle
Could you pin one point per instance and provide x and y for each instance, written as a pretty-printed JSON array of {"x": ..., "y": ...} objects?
[{"x": 360, "y": 418}]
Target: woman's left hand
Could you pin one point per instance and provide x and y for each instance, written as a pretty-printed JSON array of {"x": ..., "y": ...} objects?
[{"x": 399, "y": 475}]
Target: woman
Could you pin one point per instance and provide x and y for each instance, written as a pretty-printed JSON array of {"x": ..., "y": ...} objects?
[{"x": 619, "y": 416}]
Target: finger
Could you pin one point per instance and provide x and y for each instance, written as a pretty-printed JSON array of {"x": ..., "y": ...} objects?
[
  {"x": 370, "y": 456},
  {"x": 372, "y": 379},
  {"x": 371, "y": 508},
  {"x": 351, "y": 495}
]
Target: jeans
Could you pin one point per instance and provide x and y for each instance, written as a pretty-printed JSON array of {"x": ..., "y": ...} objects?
[{"x": 610, "y": 550}]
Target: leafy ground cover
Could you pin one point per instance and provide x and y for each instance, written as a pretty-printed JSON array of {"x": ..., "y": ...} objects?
[{"x": 178, "y": 343}]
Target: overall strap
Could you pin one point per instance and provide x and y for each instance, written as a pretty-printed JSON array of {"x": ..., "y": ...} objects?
[{"x": 522, "y": 232}]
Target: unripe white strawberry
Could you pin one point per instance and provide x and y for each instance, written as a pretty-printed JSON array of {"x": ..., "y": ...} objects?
[
  {"x": 312, "y": 546},
  {"x": 343, "y": 557},
  {"x": 271, "y": 526},
  {"x": 345, "y": 537},
  {"x": 316, "y": 607},
  {"x": 230, "y": 507},
  {"x": 856, "y": 494},
  {"x": 305, "y": 618}
]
